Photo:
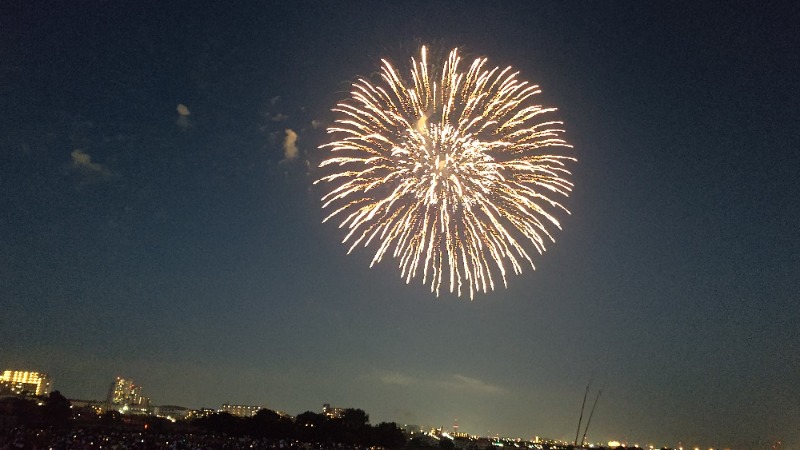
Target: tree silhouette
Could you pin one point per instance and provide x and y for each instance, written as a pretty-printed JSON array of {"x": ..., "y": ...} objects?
[
  {"x": 19, "y": 410},
  {"x": 388, "y": 435},
  {"x": 310, "y": 427},
  {"x": 355, "y": 419},
  {"x": 56, "y": 412},
  {"x": 446, "y": 444},
  {"x": 351, "y": 428},
  {"x": 268, "y": 423},
  {"x": 222, "y": 423}
]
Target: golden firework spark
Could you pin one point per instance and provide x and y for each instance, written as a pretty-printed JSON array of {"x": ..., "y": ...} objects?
[{"x": 447, "y": 174}]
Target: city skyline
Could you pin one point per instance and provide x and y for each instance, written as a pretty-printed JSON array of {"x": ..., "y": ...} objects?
[
  {"x": 161, "y": 222},
  {"x": 125, "y": 393}
]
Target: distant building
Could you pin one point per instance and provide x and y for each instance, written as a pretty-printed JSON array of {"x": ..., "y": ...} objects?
[
  {"x": 97, "y": 406},
  {"x": 332, "y": 412},
  {"x": 172, "y": 412},
  {"x": 241, "y": 410},
  {"x": 412, "y": 429},
  {"x": 21, "y": 382},
  {"x": 200, "y": 413},
  {"x": 124, "y": 396}
]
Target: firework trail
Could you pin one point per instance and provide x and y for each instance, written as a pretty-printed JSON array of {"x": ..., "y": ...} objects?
[{"x": 448, "y": 174}]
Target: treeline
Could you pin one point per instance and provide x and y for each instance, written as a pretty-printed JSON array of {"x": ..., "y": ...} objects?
[
  {"x": 51, "y": 411},
  {"x": 351, "y": 427}
]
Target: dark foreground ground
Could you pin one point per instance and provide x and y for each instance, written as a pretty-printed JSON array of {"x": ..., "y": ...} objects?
[{"x": 24, "y": 438}]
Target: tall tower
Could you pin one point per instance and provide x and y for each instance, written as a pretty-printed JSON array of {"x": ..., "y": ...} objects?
[{"x": 124, "y": 395}]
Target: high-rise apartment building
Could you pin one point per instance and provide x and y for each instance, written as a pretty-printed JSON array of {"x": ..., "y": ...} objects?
[
  {"x": 124, "y": 396},
  {"x": 24, "y": 382}
]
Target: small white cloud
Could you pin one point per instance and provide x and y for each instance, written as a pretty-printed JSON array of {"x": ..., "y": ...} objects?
[
  {"x": 316, "y": 124},
  {"x": 290, "y": 151},
  {"x": 278, "y": 117},
  {"x": 82, "y": 162},
  {"x": 274, "y": 100},
  {"x": 183, "y": 116}
]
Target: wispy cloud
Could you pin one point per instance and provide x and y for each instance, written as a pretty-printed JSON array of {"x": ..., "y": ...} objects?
[
  {"x": 82, "y": 163},
  {"x": 455, "y": 382},
  {"x": 396, "y": 378},
  {"x": 474, "y": 385}
]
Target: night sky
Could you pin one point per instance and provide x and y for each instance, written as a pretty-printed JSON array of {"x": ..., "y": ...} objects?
[{"x": 187, "y": 251}]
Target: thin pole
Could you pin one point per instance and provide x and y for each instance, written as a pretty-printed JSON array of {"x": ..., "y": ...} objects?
[
  {"x": 583, "y": 405},
  {"x": 589, "y": 420}
]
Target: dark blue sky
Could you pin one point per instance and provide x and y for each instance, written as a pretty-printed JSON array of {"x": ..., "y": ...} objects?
[{"x": 185, "y": 253}]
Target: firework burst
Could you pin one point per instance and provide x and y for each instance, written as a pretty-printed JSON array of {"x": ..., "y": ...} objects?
[{"x": 449, "y": 174}]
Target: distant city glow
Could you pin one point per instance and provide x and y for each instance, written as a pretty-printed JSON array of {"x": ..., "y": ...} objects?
[{"x": 448, "y": 173}]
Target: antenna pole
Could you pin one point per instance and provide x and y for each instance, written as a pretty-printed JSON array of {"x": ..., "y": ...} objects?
[
  {"x": 591, "y": 413},
  {"x": 583, "y": 405}
]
